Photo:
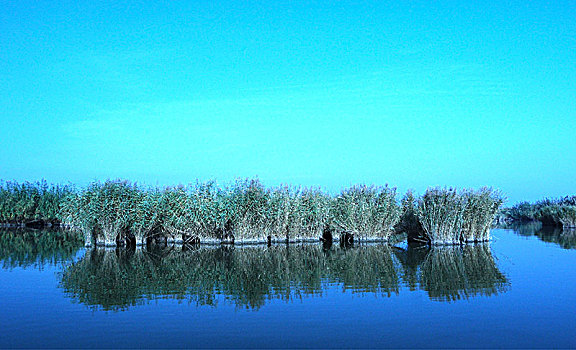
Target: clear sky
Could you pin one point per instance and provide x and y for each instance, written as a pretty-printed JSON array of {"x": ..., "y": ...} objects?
[{"x": 409, "y": 93}]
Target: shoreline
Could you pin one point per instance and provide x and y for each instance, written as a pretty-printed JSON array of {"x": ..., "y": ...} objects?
[{"x": 242, "y": 242}]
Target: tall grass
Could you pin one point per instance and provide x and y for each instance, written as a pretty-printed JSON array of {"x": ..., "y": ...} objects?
[
  {"x": 557, "y": 215},
  {"x": 243, "y": 211},
  {"x": 409, "y": 222},
  {"x": 449, "y": 216},
  {"x": 560, "y": 212},
  {"x": 367, "y": 211},
  {"x": 121, "y": 212},
  {"x": 103, "y": 211},
  {"x": 28, "y": 201}
]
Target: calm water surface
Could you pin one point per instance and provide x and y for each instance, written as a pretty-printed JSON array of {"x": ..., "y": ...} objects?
[{"x": 517, "y": 291}]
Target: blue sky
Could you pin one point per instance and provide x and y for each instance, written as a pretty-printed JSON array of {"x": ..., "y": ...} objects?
[{"x": 413, "y": 94}]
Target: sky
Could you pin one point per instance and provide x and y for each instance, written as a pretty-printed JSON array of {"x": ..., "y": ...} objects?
[{"x": 412, "y": 94}]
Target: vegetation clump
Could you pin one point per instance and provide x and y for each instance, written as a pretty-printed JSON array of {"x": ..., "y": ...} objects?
[
  {"x": 122, "y": 213},
  {"x": 31, "y": 203},
  {"x": 117, "y": 212},
  {"x": 104, "y": 212},
  {"x": 367, "y": 211},
  {"x": 559, "y": 212},
  {"x": 449, "y": 216}
]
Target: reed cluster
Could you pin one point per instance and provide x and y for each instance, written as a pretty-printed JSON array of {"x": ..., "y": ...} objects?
[
  {"x": 367, "y": 211},
  {"x": 103, "y": 211},
  {"x": 557, "y": 215},
  {"x": 560, "y": 212},
  {"x": 122, "y": 213},
  {"x": 448, "y": 216},
  {"x": 246, "y": 211},
  {"x": 21, "y": 203}
]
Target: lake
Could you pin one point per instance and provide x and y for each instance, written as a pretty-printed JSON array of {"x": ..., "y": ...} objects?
[{"x": 517, "y": 291}]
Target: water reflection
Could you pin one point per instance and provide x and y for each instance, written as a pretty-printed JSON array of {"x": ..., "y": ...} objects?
[
  {"x": 564, "y": 238},
  {"x": 115, "y": 279},
  {"x": 452, "y": 273},
  {"x": 25, "y": 248},
  {"x": 250, "y": 276}
]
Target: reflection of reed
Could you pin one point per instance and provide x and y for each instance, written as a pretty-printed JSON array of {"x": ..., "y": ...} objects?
[
  {"x": 452, "y": 273},
  {"x": 21, "y": 248},
  {"x": 365, "y": 269},
  {"x": 248, "y": 276},
  {"x": 565, "y": 238},
  {"x": 525, "y": 229}
]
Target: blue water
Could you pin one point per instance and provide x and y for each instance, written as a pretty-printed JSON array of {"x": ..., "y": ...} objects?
[{"x": 516, "y": 292}]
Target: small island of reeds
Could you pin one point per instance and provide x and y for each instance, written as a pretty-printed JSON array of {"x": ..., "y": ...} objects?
[
  {"x": 119, "y": 212},
  {"x": 550, "y": 212}
]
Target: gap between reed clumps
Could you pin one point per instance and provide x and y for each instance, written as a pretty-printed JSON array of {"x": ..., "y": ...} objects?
[{"x": 124, "y": 213}]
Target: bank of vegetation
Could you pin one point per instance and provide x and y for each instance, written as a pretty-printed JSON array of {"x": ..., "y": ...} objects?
[
  {"x": 124, "y": 213},
  {"x": 559, "y": 212},
  {"x": 32, "y": 204}
]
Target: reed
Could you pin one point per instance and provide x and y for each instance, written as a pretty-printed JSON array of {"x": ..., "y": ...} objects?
[
  {"x": 568, "y": 216},
  {"x": 21, "y": 203},
  {"x": 449, "y": 216},
  {"x": 366, "y": 211},
  {"x": 482, "y": 206},
  {"x": 559, "y": 212},
  {"x": 103, "y": 212},
  {"x": 295, "y": 214},
  {"x": 247, "y": 211},
  {"x": 117, "y": 212},
  {"x": 148, "y": 214},
  {"x": 248, "y": 202},
  {"x": 176, "y": 213},
  {"x": 557, "y": 215},
  {"x": 111, "y": 211}
]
